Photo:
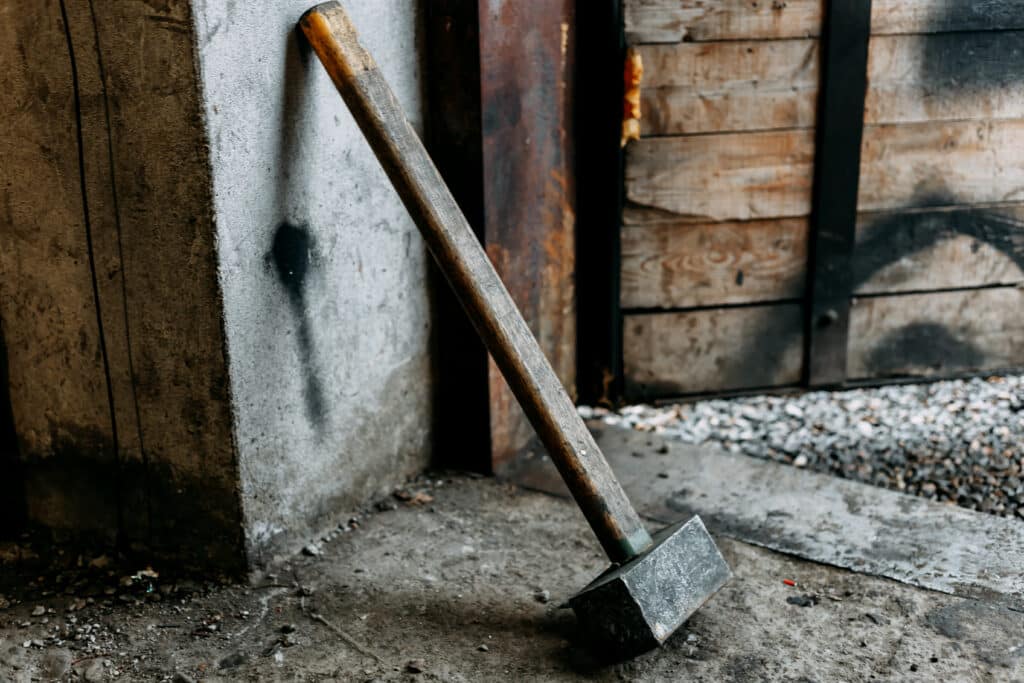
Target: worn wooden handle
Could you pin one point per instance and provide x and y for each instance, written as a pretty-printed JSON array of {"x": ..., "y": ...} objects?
[{"x": 470, "y": 273}]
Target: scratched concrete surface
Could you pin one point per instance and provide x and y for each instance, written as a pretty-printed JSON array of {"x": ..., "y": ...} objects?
[
  {"x": 815, "y": 516},
  {"x": 455, "y": 586}
]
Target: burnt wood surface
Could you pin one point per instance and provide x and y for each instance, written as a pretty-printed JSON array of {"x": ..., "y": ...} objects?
[{"x": 469, "y": 271}]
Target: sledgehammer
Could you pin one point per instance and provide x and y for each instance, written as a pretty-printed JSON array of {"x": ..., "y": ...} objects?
[{"x": 653, "y": 585}]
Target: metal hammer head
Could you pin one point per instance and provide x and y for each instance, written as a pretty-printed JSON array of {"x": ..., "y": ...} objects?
[{"x": 635, "y": 607}]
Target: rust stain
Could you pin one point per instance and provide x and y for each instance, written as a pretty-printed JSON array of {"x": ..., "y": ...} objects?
[{"x": 633, "y": 73}]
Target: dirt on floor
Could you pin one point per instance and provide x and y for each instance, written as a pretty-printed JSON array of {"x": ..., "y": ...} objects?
[{"x": 462, "y": 579}]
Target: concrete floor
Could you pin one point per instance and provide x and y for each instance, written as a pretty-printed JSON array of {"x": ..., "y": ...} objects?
[{"x": 453, "y": 584}]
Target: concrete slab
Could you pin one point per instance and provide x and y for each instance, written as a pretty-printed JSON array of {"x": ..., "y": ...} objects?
[
  {"x": 467, "y": 587},
  {"x": 814, "y": 516}
]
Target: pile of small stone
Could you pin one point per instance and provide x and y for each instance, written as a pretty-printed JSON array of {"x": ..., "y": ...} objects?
[{"x": 960, "y": 441}]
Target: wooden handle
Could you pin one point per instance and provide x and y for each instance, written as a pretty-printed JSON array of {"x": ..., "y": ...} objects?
[{"x": 471, "y": 275}]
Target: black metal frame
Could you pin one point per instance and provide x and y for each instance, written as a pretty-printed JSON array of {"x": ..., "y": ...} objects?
[
  {"x": 840, "y": 127},
  {"x": 599, "y": 178}
]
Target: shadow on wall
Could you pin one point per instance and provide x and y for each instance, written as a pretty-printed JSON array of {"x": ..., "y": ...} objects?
[
  {"x": 12, "y": 491},
  {"x": 292, "y": 253}
]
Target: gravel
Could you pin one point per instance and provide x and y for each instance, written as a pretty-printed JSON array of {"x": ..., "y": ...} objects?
[{"x": 955, "y": 441}]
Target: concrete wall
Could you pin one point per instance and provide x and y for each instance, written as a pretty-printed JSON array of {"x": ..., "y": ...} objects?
[
  {"x": 214, "y": 312},
  {"x": 323, "y": 274}
]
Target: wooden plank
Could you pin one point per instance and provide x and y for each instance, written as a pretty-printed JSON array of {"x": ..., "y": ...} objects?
[
  {"x": 837, "y": 173},
  {"x": 938, "y": 16},
  {"x": 684, "y": 265},
  {"x": 527, "y": 65},
  {"x": 735, "y": 176},
  {"x": 941, "y": 164},
  {"x": 734, "y": 86},
  {"x": 939, "y": 249},
  {"x": 760, "y": 85},
  {"x": 936, "y": 334},
  {"x": 58, "y": 384},
  {"x": 159, "y": 164},
  {"x": 946, "y": 77},
  {"x": 668, "y": 354},
  {"x": 672, "y": 21}
]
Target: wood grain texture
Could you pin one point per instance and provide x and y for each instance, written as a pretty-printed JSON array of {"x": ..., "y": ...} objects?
[
  {"x": 476, "y": 282},
  {"x": 732, "y": 86},
  {"x": 936, "y": 334},
  {"x": 760, "y": 85},
  {"x": 945, "y": 76},
  {"x": 669, "y": 354},
  {"x": 734, "y": 176},
  {"x": 938, "y": 16},
  {"x": 925, "y": 250},
  {"x": 929, "y": 164},
  {"x": 672, "y": 21},
  {"x": 673, "y": 265},
  {"x": 743, "y": 176},
  {"x": 58, "y": 385}
]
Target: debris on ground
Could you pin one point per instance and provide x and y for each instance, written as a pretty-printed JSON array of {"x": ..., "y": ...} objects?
[{"x": 958, "y": 441}]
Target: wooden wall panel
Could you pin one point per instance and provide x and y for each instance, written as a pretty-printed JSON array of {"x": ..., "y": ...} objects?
[
  {"x": 693, "y": 88},
  {"x": 734, "y": 176},
  {"x": 942, "y": 77},
  {"x": 673, "y": 265},
  {"x": 672, "y": 21},
  {"x": 732, "y": 86},
  {"x": 936, "y": 334},
  {"x": 942, "y": 164},
  {"x": 669, "y": 354},
  {"x": 55, "y": 356}
]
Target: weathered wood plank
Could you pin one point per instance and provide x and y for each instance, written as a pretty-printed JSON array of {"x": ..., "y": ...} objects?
[
  {"x": 684, "y": 265},
  {"x": 760, "y": 85},
  {"x": 58, "y": 386},
  {"x": 942, "y": 164},
  {"x": 734, "y": 86},
  {"x": 946, "y": 76},
  {"x": 736, "y": 176},
  {"x": 672, "y": 21},
  {"x": 936, "y": 334},
  {"x": 670, "y": 354},
  {"x": 938, "y": 16},
  {"x": 939, "y": 249},
  {"x": 743, "y": 176}
]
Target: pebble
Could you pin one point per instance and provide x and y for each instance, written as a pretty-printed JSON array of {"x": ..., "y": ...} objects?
[
  {"x": 542, "y": 596},
  {"x": 958, "y": 441},
  {"x": 416, "y": 666},
  {"x": 38, "y": 611}
]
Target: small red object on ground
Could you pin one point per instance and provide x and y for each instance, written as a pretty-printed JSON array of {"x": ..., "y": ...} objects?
[{"x": 789, "y": 582}]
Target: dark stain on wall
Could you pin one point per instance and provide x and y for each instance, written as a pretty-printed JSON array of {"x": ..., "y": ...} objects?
[
  {"x": 972, "y": 64},
  {"x": 977, "y": 15},
  {"x": 922, "y": 345},
  {"x": 891, "y": 237},
  {"x": 291, "y": 255}
]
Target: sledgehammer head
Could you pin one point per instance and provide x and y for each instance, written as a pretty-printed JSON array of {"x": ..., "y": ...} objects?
[{"x": 635, "y": 607}]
